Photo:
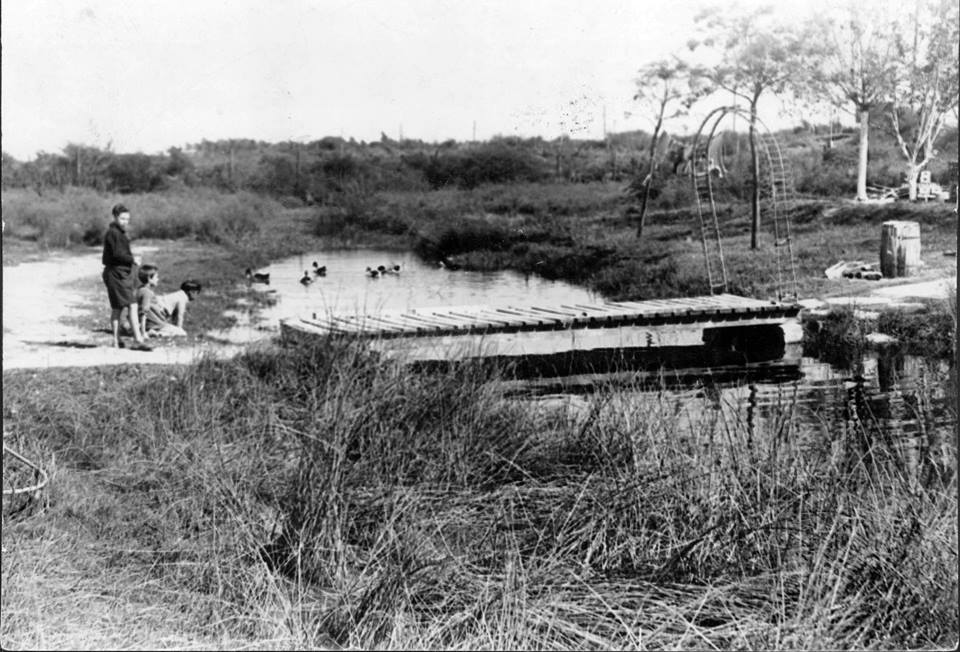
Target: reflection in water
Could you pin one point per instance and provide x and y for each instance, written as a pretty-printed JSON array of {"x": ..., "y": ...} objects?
[{"x": 896, "y": 412}]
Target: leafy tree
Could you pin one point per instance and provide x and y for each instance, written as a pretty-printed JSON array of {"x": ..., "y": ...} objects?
[
  {"x": 754, "y": 54},
  {"x": 133, "y": 173},
  {"x": 50, "y": 170},
  {"x": 665, "y": 90},
  {"x": 855, "y": 66},
  {"x": 179, "y": 165},
  {"x": 276, "y": 175},
  {"x": 14, "y": 174},
  {"x": 88, "y": 165},
  {"x": 926, "y": 87}
]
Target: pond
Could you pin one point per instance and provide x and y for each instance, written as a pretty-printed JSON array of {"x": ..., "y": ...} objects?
[
  {"x": 905, "y": 397},
  {"x": 348, "y": 288}
]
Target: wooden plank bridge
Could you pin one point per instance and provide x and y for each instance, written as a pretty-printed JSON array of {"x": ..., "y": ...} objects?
[{"x": 722, "y": 321}]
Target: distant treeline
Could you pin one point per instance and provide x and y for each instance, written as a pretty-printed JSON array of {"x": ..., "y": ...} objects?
[{"x": 821, "y": 161}]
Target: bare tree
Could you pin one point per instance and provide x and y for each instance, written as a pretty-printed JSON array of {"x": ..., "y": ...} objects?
[
  {"x": 754, "y": 54},
  {"x": 665, "y": 90},
  {"x": 926, "y": 87},
  {"x": 855, "y": 66}
]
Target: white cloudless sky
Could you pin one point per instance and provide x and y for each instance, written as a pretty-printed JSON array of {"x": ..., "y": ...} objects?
[{"x": 145, "y": 75}]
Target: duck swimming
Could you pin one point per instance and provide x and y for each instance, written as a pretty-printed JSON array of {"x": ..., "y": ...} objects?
[
  {"x": 257, "y": 277},
  {"x": 318, "y": 270},
  {"x": 394, "y": 269},
  {"x": 373, "y": 273},
  {"x": 306, "y": 280},
  {"x": 446, "y": 263}
]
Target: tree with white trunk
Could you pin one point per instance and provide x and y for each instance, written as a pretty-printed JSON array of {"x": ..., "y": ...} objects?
[
  {"x": 926, "y": 83},
  {"x": 855, "y": 66}
]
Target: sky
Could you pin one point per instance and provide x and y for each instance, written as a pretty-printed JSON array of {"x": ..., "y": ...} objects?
[{"x": 147, "y": 75}]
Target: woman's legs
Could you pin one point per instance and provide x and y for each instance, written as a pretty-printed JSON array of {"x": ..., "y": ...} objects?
[
  {"x": 115, "y": 325},
  {"x": 135, "y": 323}
]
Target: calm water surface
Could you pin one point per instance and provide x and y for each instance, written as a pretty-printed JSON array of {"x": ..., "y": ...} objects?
[{"x": 347, "y": 288}]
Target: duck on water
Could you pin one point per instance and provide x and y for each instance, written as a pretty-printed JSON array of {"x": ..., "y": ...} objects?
[{"x": 257, "y": 277}]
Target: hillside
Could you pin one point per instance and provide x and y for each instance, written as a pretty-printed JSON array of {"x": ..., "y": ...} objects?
[{"x": 822, "y": 164}]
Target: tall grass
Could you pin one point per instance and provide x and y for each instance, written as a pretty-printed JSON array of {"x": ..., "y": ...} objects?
[{"x": 310, "y": 497}]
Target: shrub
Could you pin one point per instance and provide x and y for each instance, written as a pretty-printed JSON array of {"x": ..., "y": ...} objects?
[
  {"x": 839, "y": 339},
  {"x": 56, "y": 219},
  {"x": 236, "y": 219},
  {"x": 676, "y": 192},
  {"x": 494, "y": 162},
  {"x": 931, "y": 332}
]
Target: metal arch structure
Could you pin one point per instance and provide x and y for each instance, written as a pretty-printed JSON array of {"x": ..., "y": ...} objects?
[{"x": 775, "y": 190}]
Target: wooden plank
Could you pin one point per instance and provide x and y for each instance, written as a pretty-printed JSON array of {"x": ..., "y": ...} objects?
[
  {"x": 331, "y": 328},
  {"x": 414, "y": 320},
  {"x": 741, "y": 301},
  {"x": 313, "y": 329},
  {"x": 424, "y": 320},
  {"x": 652, "y": 307},
  {"x": 477, "y": 322},
  {"x": 407, "y": 325},
  {"x": 339, "y": 328},
  {"x": 619, "y": 313},
  {"x": 566, "y": 315},
  {"x": 586, "y": 311},
  {"x": 495, "y": 317},
  {"x": 527, "y": 319},
  {"x": 596, "y": 307},
  {"x": 599, "y": 317},
  {"x": 448, "y": 321},
  {"x": 645, "y": 306},
  {"x": 443, "y": 323},
  {"x": 373, "y": 324},
  {"x": 687, "y": 303}
]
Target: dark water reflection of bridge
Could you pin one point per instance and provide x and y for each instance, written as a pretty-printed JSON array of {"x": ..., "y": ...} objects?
[{"x": 907, "y": 404}]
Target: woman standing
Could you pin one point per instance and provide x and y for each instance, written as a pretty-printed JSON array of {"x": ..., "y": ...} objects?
[{"x": 120, "y": 277}]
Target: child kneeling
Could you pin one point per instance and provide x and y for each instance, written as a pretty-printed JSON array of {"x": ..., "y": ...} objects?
[{"x": 162, "y": 315}]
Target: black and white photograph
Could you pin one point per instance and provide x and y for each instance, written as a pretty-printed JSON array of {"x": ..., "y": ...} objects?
[{"x": 479, "y": 325}]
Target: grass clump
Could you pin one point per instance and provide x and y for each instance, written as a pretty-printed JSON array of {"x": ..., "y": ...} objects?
[
  {"x": 839, "y": 339},
  {"x": 321, "y": 496},
  {"x": 928, "y": 332}
]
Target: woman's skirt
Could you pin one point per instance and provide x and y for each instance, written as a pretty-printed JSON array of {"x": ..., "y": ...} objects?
[{"x": 121, "y": 286}]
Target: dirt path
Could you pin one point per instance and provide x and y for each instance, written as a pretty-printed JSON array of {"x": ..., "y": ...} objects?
[{"x": 43, "y": 302}]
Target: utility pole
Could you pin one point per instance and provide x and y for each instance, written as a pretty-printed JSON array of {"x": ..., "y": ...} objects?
[
  {"x": 474, "y": 131},
  {"x": 606, "y": 141},
  {"x": 297, "y": 182}
]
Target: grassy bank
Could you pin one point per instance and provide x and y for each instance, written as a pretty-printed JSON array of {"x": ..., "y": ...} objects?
[{"x": 311, "y": 498}]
